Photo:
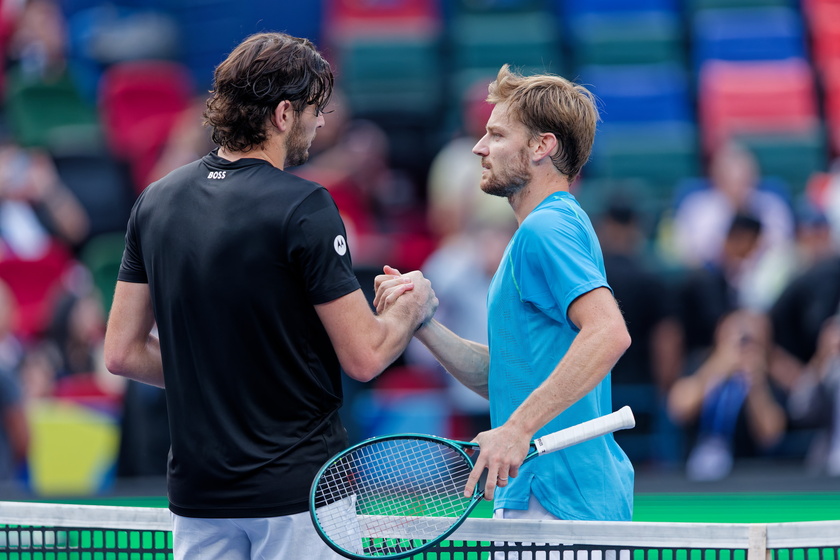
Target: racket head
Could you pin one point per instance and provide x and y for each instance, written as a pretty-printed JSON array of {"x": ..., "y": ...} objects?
[{"x": 392, "y": 496}]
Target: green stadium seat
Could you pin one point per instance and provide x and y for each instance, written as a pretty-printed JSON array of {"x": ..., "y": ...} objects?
[
  {"x": 480, "y": 43},
  {"x": 483, "y": 6},
  {"x": 385, "y": 75},
  {"x": 49, "y": 114},
  {"x": 658, "y": 153},
  {"x": 101, "y": 255},
  {"x": 628, "y": 38},
  {"x": 793, "y": 157},
  {"x": 596, "y": 194}
]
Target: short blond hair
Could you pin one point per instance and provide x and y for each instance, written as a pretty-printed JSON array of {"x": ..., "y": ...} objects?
[{"x": 547, "y": 103}]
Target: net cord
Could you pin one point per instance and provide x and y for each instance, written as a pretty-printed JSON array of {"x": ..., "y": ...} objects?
[
  {"x": 631, "y": 534},
  {"x": 85, "y": 516}
]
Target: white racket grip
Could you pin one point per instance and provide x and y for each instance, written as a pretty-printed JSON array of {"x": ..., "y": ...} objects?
[{"x": 619, "y": 420}]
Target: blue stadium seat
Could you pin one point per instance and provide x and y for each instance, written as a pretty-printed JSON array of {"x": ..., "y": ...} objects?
[
  {"x": 773, "y": 33},
  {"x": 572, "y": 8},
  {"x": 640, "y": 93},
  {"x": 105, "y": 34},
  {"x": 208, "y": 34},
  {"x": 302, "y": 21}
]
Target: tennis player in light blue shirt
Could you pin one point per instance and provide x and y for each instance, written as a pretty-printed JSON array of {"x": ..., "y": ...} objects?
[
  {"x": 552, "y": 260},
  {"x": 555, "y": 329}
]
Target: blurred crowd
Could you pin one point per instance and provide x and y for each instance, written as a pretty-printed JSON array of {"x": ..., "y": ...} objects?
[{"x": 731, "y": 289}]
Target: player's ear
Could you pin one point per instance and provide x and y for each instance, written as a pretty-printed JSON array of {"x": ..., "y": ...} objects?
[
  {"x": 544, "y": 145},
  {"x": 281, "y": 117}
]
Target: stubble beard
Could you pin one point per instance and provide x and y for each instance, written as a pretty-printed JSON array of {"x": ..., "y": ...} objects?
[
  {"x": 508, "y": 182},
  {"x": 297, "y": 146}
]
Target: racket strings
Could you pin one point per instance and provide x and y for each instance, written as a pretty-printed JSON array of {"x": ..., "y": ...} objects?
[{"x": 388, "y": 496}]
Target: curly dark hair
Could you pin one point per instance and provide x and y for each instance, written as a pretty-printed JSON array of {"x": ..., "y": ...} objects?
[{"x": 265, "y": 69}]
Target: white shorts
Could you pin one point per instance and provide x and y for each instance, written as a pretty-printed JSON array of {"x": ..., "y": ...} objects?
[
  {"x": 537, "y": 511},
  {"x": 267, "y": 538}
]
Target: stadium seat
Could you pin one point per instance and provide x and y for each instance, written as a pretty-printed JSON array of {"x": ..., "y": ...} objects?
[
  {"x": 755, "y": 97},
  {"x": 305, "y": 20},
  {"x": 823, "y": 19},
  {"x": 697, "y": 5},
  {"x": 210, "y": 29},
  {"x": 774, "y": 33},
  {"x": 595, "y": 194},
  {"x": 139, "y": 103},
  {"x": 346, "y": 19},
  {"x": 107, "y": 33},
  {"x": 831, "y": 87},
  {"x": 792, "y": 156},
  {"x": 481, "y": 43},
  {"x": 387, "y": 55},
  {"x": 481, "y": 6},
  {"x": 643, "y": 37},
  {"x": 571, "y": 9},
  {"x": 386, "y": 77},
  {"x": 640, "y": 93},
  {"x": 47, "y": 114},
  {"x": 102, "y": 255},
  {"x": 34, "y": 284},
  {"x": 659, "y": 154}
]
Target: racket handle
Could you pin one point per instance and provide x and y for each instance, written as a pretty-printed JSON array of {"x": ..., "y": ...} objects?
[{"x": 618, "y": 420}]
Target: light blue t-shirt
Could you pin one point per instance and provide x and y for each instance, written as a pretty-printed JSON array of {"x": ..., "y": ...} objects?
[{"x": 553, "y": 258}]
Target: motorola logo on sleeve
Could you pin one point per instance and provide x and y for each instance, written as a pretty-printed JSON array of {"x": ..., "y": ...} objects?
[{"x": 340, "y": 245}]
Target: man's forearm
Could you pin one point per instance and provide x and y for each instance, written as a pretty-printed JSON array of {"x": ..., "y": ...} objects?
[
  {"x": 465, "y": 360},
  {"x": 588, "y": 360},
  {"x": 144, "y": 364}
]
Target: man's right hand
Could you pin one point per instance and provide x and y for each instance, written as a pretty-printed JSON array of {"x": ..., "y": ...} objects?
[{"x": 392, "y": 284}]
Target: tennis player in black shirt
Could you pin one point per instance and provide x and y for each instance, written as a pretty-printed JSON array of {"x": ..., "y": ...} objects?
[{"x": 245, "y": 271}]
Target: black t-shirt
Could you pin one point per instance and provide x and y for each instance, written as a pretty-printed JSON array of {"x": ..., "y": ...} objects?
[
  {"x": 704, "y": 297},
  {"x": 645, "y": 301},
  {"x": 236, "y": 254},
  {"x": 804, "y": 305}
]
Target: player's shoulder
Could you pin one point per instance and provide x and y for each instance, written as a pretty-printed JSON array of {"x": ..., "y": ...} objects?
[{"x": 557, "y": 210}]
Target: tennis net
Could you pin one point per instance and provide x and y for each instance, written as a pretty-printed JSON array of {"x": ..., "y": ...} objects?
[{"x": 37, "y": 531}]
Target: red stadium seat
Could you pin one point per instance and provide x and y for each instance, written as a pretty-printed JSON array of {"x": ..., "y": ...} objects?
[
  {"x": 755, "y": 97},
  {"x": 823, "y": 19},
  {"x": 831, "y": 85},
  {"x": 344, "y": 19},
  {"x": 34, "y": 284},
  {"x": 139, "y": 103},
  {"x": 822, "y": 22}
]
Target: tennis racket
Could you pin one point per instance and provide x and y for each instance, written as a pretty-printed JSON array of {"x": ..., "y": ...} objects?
[{"x": 394, "y": 496}]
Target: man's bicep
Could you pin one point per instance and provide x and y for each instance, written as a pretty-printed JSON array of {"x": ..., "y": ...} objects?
[{"x": 595, "y": 306}]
